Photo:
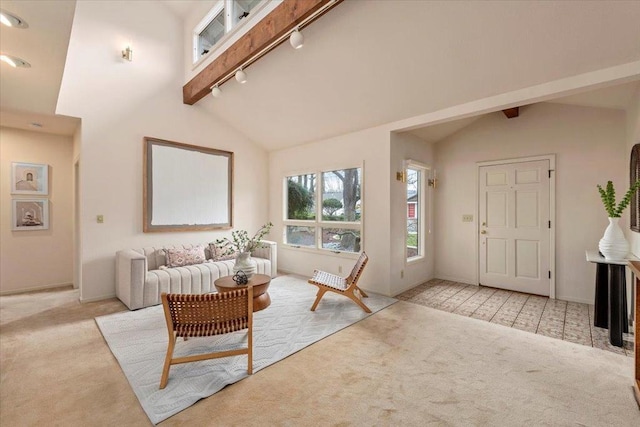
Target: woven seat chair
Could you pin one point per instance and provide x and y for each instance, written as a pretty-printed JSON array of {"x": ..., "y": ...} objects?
[
  {"x": 207, "y": 315},
  {"x": 347, "y": 286}
]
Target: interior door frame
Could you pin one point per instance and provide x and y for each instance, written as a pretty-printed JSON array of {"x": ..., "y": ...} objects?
[{"x": 552, "y": 212}]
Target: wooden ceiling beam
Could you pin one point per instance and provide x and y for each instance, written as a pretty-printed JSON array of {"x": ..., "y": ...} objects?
[
  {"x": 284, "y": 18},
  {"x": 512, "y": 112}
]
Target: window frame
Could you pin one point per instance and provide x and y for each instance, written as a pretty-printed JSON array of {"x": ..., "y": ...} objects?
[
  {"x": 229, "y": 27},
  {"x": 421, "y": 207},
  {"x": 319, "y": 223}
]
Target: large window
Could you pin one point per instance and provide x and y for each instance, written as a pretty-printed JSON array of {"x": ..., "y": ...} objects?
[
  {"x": 415, "y": 201},
  {"x": 324, "y": 210},
  {"x": 221, "y": 19}
]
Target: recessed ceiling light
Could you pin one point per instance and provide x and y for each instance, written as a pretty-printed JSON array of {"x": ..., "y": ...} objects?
[
  {"x": 11, "y": 20},
  {"x": 14, "y": 61}
]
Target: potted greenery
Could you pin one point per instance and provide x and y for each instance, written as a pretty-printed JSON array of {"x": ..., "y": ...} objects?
[
  {"x": 613, "y": 245},
  {"x": 241, "y": 245}
]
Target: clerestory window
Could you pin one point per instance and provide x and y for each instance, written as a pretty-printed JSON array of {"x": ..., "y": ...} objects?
[{"x": 222, "y": 19}]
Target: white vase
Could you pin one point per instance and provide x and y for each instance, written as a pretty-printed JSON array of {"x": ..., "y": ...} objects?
[
  {"x": 613, "y": 245},
  {"x": 245, "y": 263}
]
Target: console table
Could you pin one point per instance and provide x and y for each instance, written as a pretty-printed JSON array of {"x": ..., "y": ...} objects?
[
  {"x": 610, "y": 306},
  {"x": 635, "y": 268}
]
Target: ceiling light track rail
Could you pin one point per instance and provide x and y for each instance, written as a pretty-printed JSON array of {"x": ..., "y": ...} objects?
[{"x": 288, "y": 18}]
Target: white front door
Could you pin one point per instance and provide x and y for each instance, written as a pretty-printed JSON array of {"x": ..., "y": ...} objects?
[{"x": 514, "y": 226}]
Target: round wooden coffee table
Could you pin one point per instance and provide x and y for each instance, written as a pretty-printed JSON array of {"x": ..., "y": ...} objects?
[{"x": 260, "y": 283}]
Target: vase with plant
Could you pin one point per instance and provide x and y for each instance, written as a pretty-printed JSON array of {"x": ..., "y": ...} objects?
[
  {"x": 613, "y": 245},
  {"x": 241, "y": 245}
]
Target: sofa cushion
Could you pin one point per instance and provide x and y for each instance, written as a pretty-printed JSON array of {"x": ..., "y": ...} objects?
[
  {"x": 179, "y": 257},
  {"x": 217, "y": 254}
]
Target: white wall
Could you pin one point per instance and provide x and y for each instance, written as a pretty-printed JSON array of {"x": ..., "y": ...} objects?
[
  {"x": 120, "y": 103},
  {"x": 42, "y": 258},
  {"x": 590, "y": 149},
  {"x": 370, "y": 147},
  {"x": 405, "y": 146}
]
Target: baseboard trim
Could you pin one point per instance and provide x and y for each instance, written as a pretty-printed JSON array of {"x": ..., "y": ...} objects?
[
  {"x": 100, "y": 298},
  {"x": 36, "y": 288},
  {"x": 455, "y": 279}
]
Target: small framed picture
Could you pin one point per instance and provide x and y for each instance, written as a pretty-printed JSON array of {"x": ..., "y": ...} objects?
[
  {"x": 30, "y": 214},
  {"x": 29, "y": 178}
]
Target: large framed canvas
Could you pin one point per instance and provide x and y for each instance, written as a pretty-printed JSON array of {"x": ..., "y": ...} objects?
[
  {"x": 186, "y": 187},
  {"x": 30, "y": 214},
  {"x": 29, "y": 178}
]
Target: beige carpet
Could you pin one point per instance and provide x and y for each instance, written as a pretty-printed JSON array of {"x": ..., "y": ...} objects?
[{"x": 406, "y": 365}]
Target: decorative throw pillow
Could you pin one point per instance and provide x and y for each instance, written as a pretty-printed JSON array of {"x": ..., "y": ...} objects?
[
  {"x": 217, "y": 254},
  {"x": 181, "y": 257}
]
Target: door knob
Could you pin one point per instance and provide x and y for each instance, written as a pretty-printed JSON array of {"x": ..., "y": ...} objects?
[{"x": 483, "y": 232}]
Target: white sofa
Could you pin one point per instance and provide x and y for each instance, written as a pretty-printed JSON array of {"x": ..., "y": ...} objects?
[{"x": 140, "y": 280}]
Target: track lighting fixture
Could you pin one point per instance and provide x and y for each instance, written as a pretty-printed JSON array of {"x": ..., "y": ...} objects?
[
  {"x": 296, "y": 39},
  {"x": 11, "y": 20},
  {"x": 241, "y": 76},
  {"x": 216, "y": 92}
]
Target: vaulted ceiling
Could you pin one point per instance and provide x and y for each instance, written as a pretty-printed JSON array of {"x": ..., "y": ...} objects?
[{"x": 370, "y": 63}]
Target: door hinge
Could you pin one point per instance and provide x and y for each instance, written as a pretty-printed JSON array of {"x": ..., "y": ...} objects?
[
  {"x": 549, "y": 224},
  {"x": 549, "y": 274},
  {"x": 549, "y": 173}
]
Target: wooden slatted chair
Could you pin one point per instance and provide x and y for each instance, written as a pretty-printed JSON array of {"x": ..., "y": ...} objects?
[
  {"x": 347, "y": 286},
  {"x": 207, "y": 315}
]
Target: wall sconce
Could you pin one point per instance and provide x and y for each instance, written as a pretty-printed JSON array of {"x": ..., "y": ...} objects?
[
  {"x": 401, "y": 176},
  {"x": 433, "y": 182},
  {"x": 127, "y": 54}
]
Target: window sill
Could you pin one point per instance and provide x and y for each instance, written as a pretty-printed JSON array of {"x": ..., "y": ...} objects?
[{"x": 315, "y": 251}]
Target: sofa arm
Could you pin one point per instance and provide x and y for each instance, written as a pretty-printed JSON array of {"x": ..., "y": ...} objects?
[
  {"x": 269, "y": 250},
  {"x": 131, "y": 270}
]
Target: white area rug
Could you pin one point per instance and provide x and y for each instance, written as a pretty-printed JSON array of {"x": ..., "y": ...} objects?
[{"x": 138, "y": 340}]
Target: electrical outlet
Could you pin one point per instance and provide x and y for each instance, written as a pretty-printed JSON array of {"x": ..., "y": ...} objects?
[
  {"x": 100, "y": 219},
  {"x": 467, "y": 218}
]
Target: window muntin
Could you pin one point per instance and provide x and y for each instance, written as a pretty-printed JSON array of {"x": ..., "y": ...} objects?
[{"x": 333, "y": 216}]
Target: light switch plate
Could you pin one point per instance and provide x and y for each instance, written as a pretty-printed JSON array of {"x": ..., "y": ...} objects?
[{"x": 467, "y": 218}]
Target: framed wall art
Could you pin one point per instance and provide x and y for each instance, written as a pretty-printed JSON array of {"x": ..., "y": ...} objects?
[
  {"x": 30, "y": 214},
  {"x": 29, "y": 178},
  {"x": 186, "y": 187}
]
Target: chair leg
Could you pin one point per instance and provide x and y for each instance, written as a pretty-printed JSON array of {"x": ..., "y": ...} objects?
[
  {"x": 167, "y": 363},
  {"x": 359, "y": 302},
  {"x": 321, "y": 292},
  {"x": 362, "y": 292}
]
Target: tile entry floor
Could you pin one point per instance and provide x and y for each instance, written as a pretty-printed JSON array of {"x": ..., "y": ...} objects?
[{"x": 569, "y": 321}]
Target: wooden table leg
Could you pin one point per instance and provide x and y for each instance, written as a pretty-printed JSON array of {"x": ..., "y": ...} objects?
[
  {"x": 601, "y": 303},
  {"x": 617, "y": 299}
]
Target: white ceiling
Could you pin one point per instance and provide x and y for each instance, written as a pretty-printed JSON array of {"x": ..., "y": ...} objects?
[
  {"x": 30, "y": 94},
  {"x": 367, "y": 63},
  {"x": 618, "y": 97}
]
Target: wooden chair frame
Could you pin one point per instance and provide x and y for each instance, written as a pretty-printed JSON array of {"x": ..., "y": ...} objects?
[
  {"x": 347, "y": 286},
  {"x": 207, "y": 315}
]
